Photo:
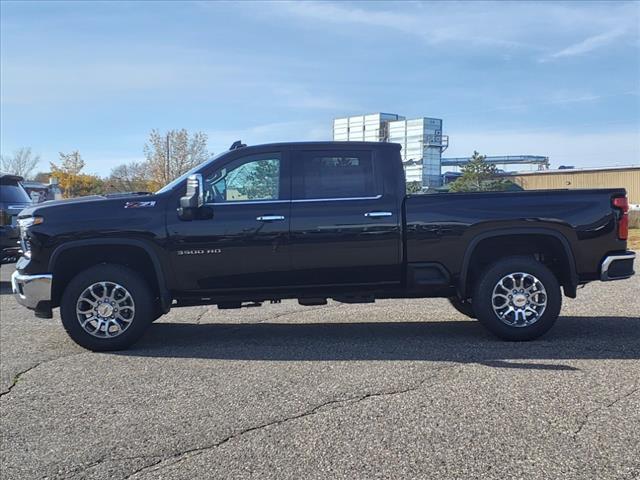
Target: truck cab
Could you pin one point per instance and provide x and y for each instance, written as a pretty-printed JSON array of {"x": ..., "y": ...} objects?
[{"x": 294, "y": 217}]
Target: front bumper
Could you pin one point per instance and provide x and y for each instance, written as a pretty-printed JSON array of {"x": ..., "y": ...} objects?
[
  {"x": 10, "y": 255},
  {"x": 617, "y": 267},
  {"x": 33, "y": 292}
]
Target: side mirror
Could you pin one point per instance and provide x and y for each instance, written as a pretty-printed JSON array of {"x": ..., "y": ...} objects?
[{"x": 193, "y": 198}]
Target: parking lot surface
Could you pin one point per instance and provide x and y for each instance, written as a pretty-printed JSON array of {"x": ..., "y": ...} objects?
[{"x": 397, "y": 389}]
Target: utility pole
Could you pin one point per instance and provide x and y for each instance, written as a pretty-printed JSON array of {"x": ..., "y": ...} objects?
[{"x": 166, "y": 164}]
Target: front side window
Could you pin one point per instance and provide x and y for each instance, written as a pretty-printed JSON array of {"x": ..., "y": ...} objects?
[
  {"x": 336, "y": 175},
  {"x": 249, "y": 179}
]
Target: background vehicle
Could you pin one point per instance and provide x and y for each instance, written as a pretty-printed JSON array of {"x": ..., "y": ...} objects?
[
  {"x": 13, "y": 198},
  {"x": 314, "y": 221}
]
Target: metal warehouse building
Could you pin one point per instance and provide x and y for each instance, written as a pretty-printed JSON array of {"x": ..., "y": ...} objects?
[{"x": 609, "y": 177}]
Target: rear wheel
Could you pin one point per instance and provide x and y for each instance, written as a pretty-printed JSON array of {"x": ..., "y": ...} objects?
[
  {"x": 106, "y": 307},
  {"x": 517, "y": 298},
  {"x": 463, "y": 306}
]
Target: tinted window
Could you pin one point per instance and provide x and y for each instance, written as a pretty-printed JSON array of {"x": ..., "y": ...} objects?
[
  {"x": 247, "y": 179},
  {"x": 13, "y": 193},
  {"x": 336, "y": 175}
]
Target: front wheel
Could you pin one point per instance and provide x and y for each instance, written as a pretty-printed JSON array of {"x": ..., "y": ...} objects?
[
  {"x": 106, "y": 307},
  {"x": 517, "y": 298}
]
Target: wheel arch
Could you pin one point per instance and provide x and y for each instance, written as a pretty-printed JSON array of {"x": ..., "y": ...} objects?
[
  {"x": 567, "y": 274},
  {"x": 88, "y": 252}
]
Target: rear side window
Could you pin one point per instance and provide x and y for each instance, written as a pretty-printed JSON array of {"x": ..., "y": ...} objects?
[
  {"x": 13, "y": 193},
  {"x": 335, "y": 174}
]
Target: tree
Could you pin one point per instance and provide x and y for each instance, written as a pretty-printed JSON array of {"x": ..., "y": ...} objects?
[
  {"x": 262, "y": 180},
  {"x": 479, "y": 176},
  {"x": 414, "y": 187},
  {"x": 171, "y": 154},
  {"x": 22, "y": 163},
  {"x": 71, "y": 181},
  {"x": 132, "y": 177},
  {"x": 42, "y": 177}
]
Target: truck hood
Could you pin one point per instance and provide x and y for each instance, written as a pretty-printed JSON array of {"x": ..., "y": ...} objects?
[{"x": 51, "y": 205}]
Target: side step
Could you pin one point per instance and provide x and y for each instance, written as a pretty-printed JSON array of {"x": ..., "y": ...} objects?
[
  {"x": 356, "y": 299},
  {"x": 310, "y": 302}
]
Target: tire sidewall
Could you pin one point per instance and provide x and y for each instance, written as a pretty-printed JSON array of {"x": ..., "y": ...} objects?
[
  {"x": 482, "y": 298},
  {"x": 124, "y": 276},
  {"x": 462, "y": 306}
]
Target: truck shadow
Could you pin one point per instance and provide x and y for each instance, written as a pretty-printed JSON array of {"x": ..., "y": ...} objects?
[
  {"x": 573, "y": 338},
  {"x": 5, "y": 288}
]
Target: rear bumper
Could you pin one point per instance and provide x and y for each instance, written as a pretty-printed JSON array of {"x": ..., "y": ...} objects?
[
  {"x": 33, "y": 292},
  {"x": 617, "y": 267}
]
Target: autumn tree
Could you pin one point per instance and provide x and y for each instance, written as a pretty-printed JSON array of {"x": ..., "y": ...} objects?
[
  {"x": 42, "y": 177},
  {"x": 131, "y": 177},
  {"x": 72, "y": 182},
  {"x": 21, "y": 163},
  {"x": 479, "y": 176},
  {"x": 171, "y": 154}
]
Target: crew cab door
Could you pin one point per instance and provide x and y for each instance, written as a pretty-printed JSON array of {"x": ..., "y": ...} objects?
[
  {"x": 245, "y": 243},
  {"x": 345, "y": 219}
]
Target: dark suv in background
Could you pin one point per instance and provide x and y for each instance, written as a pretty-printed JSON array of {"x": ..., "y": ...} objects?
[{"x": 13, "y": 198}]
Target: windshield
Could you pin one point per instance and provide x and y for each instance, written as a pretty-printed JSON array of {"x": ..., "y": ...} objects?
[{"x": 183, "y": 177}]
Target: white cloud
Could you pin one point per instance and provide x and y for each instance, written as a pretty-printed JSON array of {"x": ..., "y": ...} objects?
[
  {"x": 587, "y": 45},
  {"x": 513, "y": 25},
  {"x": 433, "y": 23}
]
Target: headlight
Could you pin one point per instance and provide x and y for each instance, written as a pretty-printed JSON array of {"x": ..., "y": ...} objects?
[{"x": 29, "y": 221}]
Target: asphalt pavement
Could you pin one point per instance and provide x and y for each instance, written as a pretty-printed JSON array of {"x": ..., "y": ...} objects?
[{"x": 397, "y": 389}]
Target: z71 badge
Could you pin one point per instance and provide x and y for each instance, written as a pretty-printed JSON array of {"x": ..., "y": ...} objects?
[
  {"x": 206, "y": 251},
  {"x": 148, "y": 204}
]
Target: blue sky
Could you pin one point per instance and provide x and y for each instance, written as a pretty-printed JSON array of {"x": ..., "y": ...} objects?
[{"x": 557, "y": 79}]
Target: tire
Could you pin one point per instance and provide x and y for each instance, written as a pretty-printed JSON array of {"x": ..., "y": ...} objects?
[
  {"x": 463, "y": 306},
  {"x": 496, "y": 288},
  {"x": 136, "y": 311}
]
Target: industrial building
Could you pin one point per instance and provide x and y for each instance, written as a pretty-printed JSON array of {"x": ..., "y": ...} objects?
[
  {"x": 421, "y": 139},
  {"x": 606, "y": 177},
  {"x": 423, "y": 143},
  {"x": 501, "y": 160}
]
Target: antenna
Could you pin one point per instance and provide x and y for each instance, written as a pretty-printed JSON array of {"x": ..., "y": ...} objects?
[{"x": 237, "y": 144}]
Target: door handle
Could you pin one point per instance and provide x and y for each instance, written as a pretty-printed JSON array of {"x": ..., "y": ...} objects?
[
  {"x": 378, "y": 214},
  {"x": 270, "y": 218}
]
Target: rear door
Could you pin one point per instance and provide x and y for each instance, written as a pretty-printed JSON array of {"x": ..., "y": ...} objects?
[{"x": 345, "y": 228}]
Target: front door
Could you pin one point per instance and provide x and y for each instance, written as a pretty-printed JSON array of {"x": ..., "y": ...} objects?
[{"x": 246, "y": 243}]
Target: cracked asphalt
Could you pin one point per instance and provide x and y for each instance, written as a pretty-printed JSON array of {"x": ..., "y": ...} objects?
[{"x": 398, "y": 389}]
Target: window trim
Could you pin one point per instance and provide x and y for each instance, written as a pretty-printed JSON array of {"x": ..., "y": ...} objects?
[
  {"x": 336, "y": 199},
  {"x": 246, "y": 202},
  {"x": 299, "y": 200}
]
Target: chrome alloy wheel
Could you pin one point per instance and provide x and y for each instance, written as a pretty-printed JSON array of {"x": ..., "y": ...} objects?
[
  {"x": 519, "y": 299},
  {"x": 105, "y": 309}
]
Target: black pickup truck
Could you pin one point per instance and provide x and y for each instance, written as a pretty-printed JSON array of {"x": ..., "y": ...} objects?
[{"x": 313, "y": 221}]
